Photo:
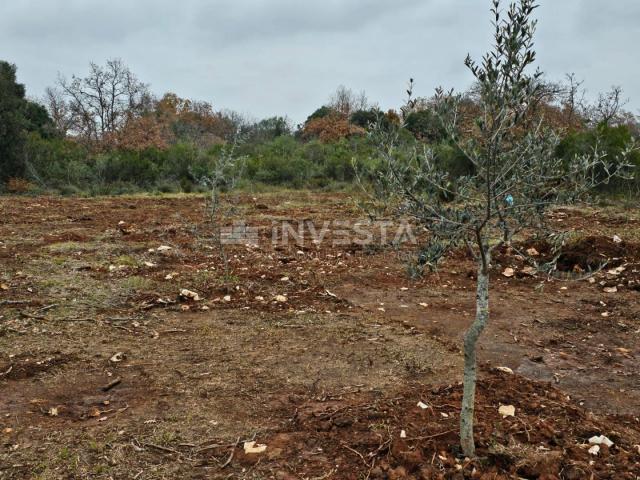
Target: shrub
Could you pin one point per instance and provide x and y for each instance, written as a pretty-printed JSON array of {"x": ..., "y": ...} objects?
[
  {"x": 426, "y": 126},
  {"x": 331, "y": 128},
  {"x": 19, "y": 185}
]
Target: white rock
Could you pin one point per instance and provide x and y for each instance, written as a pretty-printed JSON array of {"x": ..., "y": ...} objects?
[
  {"x": 507, "y": 411},
  {"x": 610, "y": 290},
  {"x": 253, "y": 447},
  {"x": 189, "y": 294},
  {"x": 423, "y": 405},
  {"x": 505, "y": 370},
  {"x": 600, "y": 440},
  {"x": 280, "y": 299},
  {"x": 403, "y": 434},
  {"x": 617, "y": 239},
  {"x": 508, "y": 272},
  {"x": 117, "y": 357},
  {"x": 595, "y": 450}
]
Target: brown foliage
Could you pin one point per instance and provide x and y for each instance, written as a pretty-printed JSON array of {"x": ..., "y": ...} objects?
[
  {"x": 140, "y": 134},
  {"x": 331, "y": 128},
  {"x": 19, "y": 185}
]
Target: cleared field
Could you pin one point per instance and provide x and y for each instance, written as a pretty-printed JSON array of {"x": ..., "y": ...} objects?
[{"x": 319, "y": 350}]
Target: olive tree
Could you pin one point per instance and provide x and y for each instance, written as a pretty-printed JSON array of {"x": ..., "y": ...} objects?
[
  {"x": 225, "y": 173},
  {"x": 516, "y": 177}
]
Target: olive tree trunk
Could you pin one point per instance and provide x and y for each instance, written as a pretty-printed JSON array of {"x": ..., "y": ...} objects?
[{"x": 470, "y": 374}]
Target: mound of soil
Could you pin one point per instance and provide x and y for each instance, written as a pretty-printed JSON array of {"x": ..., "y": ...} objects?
[
  {"x": 26, "y": 366},
  {"x": 372, "y": 436},
  {"x": 586, "y": 254},
  {"x": 591, "y": 252}
]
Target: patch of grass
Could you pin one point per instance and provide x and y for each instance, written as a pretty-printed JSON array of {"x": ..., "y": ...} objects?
[
  {"x": 135, "y": 284},
  {"x": 68, "y": 247},
  {"x": 127, "y": 260}
]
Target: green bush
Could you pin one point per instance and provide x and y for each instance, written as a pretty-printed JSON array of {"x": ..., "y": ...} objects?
[
  {"x": 426, "y": 125},
  {"x": 609, "y": 140}
]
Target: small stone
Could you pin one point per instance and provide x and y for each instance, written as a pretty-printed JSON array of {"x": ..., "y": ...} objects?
[
  {"x": 508, "y": 272},
  {"x": 507, "y": 411}
]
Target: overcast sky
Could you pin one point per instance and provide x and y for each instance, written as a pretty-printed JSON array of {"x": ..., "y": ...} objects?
[{"x": 285, "y": 57}]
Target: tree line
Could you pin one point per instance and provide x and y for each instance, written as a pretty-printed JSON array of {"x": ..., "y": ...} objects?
[{"x": 106, "y": 133}]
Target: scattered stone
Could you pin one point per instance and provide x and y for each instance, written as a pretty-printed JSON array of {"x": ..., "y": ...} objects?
[
  {"x": 508, "y": 272},
  {"x": 600, "y": 440},
  {"x": 505, "y": 370},
  {"x": 253, "y": 447},
  {"x": 189, "y": 295},
  {"x": 117, "y": 357},
  {"x": 507, "y": 411}
]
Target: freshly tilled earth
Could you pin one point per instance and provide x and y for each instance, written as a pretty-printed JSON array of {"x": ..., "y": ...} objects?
[{"x": 319, "y": 350}]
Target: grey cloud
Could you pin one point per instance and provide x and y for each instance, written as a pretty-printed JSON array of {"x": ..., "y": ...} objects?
[{"x": 270, "y": 57}]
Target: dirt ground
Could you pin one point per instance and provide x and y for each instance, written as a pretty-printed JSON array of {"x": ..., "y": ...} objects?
[{"x": 321, "y": 351}]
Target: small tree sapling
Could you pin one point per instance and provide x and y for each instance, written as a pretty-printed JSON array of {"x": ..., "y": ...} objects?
[{"x": 517, "y": 176}]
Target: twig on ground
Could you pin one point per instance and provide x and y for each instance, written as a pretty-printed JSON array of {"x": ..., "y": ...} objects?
[
  {"x": 33, "y": 317},
  {"x": 48, "y": 307},
  {"x": 161, "y": 448},
  {"x": 429, "y": 437},
  {"x": 111, "y": 385},
  {"x": 356, "y": 452},
  {"x": 233, "y": 452},
  {"x": 15, "y": 302}
]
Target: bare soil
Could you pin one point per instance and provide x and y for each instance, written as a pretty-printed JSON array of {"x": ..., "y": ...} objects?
[{"x": 319, "y": 350}]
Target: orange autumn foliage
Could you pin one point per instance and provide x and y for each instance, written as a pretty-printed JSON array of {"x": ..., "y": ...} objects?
[{"x": 331, "y": 128}]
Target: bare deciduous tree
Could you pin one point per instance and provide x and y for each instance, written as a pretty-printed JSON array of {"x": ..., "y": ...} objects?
[
  {"x": 102, "y": 102},
  {"x": 608, "y": 107},
  {"x": 346, "y": 101},
  {"x": 517, "y": 176},
  {"x": 59, "y": 109}
]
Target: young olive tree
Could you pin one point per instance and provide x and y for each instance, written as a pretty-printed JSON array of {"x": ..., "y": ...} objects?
[
  {"x": 221, "y": 181},
  {"x": 516, "y": 177}
]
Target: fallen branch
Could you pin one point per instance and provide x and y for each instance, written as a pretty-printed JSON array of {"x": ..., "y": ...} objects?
[
  {"x": 112, "y": 384},
  {"x": 16, "y": 302},
  {"x": 356, "y": 452},
  {"x": 161, "y": 448},
  {"x": 48, "y": 307},
  {"x": 33, "y": 317},
  {"x": 233, "y": 452},
  {"x": 429, "y": 437}
]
